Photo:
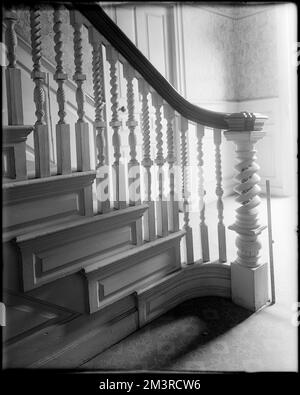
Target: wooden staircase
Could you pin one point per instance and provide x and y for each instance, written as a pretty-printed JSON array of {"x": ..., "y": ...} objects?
[{"x": 76, "y": 279}]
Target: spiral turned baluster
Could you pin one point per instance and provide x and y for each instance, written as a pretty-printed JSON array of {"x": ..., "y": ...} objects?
[
  {"x": 59, "y": 76},
  {"x": 81, "y": 127},
  {"x": 12, "y": 73},
  {"x": 10, "y": 17},
  {"x": 13, "y": 153},
  {"x": 173, "y": 202},
  {"x": 149, "y": 216},
  {"x": 219, "y": 193},
  {"x": 201, "y": 193},
  {"x": 185, "y": 191},
  {"x": 115, "y": 123},
  {"x": 100, "y": 123},
  {"x": 37, "y": 75},
  {"x": 41, "y": 137},
  {"x": 78, "y": 76},
  {"x": 102, "y": 177},
  {"x": 63, "y": 149},
  {"x": 133, "y": 165},
  {"x": 161, "y": 204}
]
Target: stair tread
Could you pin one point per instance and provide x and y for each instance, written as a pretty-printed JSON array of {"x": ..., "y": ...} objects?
[
  {"x": 134, "y": 251},
  {"x": 77, "y": 223},
  {"x": 12, "y": 183},
  {"x": 6, "y": 236}
]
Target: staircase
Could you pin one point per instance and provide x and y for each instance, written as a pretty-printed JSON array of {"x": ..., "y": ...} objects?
[{"x": 98, "y": 244}]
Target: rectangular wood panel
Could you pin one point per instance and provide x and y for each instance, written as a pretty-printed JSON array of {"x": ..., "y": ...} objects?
[{"x": 68, "y": 253}]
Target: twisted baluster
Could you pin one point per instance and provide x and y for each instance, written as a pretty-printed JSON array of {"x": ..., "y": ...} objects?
[
  {"x": 149, "y": 216},
  {"x": 114, "y": 99},
  {"x": 201, "y": 193},
  {"x": 78, "y": 76},
  {"x": 10, "y": 18},
  {"x": 12, "y": 73},
  {"x": 146, "y": 162},
  {"x": 173, "y": 212},
  {"x": 13, "y": 152},
  {"x": 59, "y": 75},
  {"x": 98, "y": 83},
  {"x": 102, "y": 180},
  {"x": 161, "y": 205},
  {"x": 131, "y": 122},
  {"x": 37, "y": 75},
  {"x": 157, "y": 102},
  {"x": 219, "y": 193},
  {"x": 63, "y": 150},
  {"x": 81, "y": 127},
  {"x": 185, "y": 192},
  {"x": 133, "y": 165},
  {"x": 115, "y": 123},
  {"x": 41, "y": 137}
]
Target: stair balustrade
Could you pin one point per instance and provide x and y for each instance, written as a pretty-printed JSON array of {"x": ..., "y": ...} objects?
[{"x": 122, "y": 182}]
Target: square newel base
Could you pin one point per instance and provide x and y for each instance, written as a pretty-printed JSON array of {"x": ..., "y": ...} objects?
[{"x": 249, "y": 286}]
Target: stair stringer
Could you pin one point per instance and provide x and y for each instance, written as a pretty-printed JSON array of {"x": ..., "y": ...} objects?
[{"x": 209, "y": 279}]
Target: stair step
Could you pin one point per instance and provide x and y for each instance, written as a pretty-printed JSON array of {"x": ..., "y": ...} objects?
[
  {"x": 126, "y": 272},
  {"x": 108, "y": 221},
  {"x": 40, "y": 201},
  {"x": 71, "y": 339},
  {"x": 60, "y": 250},
  {"x": 92, "y": 270}
]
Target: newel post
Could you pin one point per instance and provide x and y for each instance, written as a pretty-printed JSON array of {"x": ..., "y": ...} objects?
[{"x": 249, "y": 276}]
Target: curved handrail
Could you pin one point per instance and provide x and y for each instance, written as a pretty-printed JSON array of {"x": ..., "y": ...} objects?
[{"x": 103, "y": 23}]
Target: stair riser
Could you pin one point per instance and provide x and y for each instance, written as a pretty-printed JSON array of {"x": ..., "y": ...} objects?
[
  {"x": 42, "y": 201},
  {"x": 46, "y": 264},
  {"x": 132, "y": 273},
  {"x": 96, "y": 290},
  {"x": 66, "y": 250}
]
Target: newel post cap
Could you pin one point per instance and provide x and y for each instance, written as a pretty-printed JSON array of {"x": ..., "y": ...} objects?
[{"x": 245, "y": 121}]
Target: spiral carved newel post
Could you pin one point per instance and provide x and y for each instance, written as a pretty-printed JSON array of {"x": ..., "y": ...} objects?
[{"x": 249, "y": 277}]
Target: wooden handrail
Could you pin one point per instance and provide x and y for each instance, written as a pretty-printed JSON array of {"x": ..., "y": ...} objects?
[{"x": 102, "y": 22}]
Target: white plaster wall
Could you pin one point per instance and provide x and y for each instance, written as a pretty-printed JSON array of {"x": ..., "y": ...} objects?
[{"x": 208, "y": 55}]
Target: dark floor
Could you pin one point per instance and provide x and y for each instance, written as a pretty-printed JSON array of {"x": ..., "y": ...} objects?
[{"x": 173, "y": 337}]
